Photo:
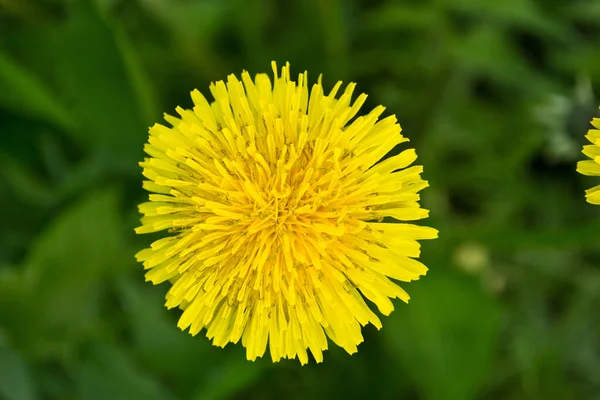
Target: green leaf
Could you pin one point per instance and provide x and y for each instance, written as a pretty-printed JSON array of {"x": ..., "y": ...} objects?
[
  {"x": 64, "y": 271},
  {"x": 228, "y": 378},
  {"x": 403, "y": 16},
  {"x": 521, "y": 13},
  {"x": 194, "y": 27},
  {"x": 23, "y": 93},
  {"x": 80, "y": 243},
  {"x": 99, "y": 83},
  {"x": 141, "y": 83},
  {"x": 153, "y": 331},
  {"x": 588, "y": 11},
  {"x": 216, "y": 373},
  {"x": 108, "y": 373},
  {"x": 25, "y": 183},
  {"x": 191, "y": 22},
  {"x": 15, "y": 379},
  {"x": 445, "y": 336},
  {"x": 487, "y": 51}
]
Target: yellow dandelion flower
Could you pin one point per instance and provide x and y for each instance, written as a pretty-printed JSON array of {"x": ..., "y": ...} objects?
[
  {"x": 592, "y": 167},
  {"x": 275, "y": 202}
]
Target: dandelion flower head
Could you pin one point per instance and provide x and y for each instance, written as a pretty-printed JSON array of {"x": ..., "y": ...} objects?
[
  {"x": 592, "y": 167},
  {"x": 274, "y": 199}
]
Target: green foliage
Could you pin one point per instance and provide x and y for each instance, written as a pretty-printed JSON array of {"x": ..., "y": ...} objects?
[
  {"x": 23, "y": 93},
  {"x": 107, "y": 373},
  {"x": 107, "y": 110},
  {"x": 495, "y": 96},
  {"x": 434, "y": 342},
  {"x": 15, "y": 379}
]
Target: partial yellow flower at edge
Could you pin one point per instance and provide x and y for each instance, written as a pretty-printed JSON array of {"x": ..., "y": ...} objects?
[
  {"x": 592, "y": 167},
  {"x": 275, "y": 204}
]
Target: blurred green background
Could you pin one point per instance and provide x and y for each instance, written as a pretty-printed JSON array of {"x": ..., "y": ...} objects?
[{"x": 496, "y": 95}]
